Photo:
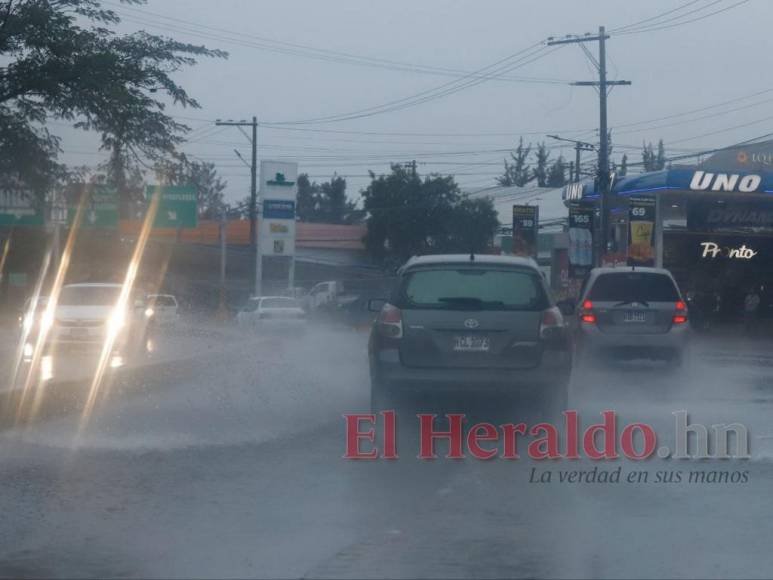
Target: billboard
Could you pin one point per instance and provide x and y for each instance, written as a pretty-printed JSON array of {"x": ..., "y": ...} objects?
[
  {"x": 641, "y": 231},
  {"x": 278, "y": 192},
  {"x": 580, "y": 241},
  {"x": 525, "y": 224}
]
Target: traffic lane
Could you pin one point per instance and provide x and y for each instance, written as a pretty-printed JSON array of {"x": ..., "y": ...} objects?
[
  {"x": 287, "y": 505},
  {"x": 722, "y": 381},
  {"x": 252, "y": 389}
]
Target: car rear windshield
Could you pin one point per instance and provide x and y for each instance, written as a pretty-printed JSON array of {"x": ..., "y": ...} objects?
[
  {"x": 279, "y": 303},
  {"x": 634, "y": 286},
  {"x": 89, "y": 295},
  {"x": 162, "y": 300},
  {"x": 473, "y": 289}
]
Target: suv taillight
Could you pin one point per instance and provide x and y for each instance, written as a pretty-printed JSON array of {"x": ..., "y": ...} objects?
[
  {"x": 586, "y": 312},
  {"x": 681, "y": 313},
  {"x": 551, "y": 320},
  {"x": 390, "y": 321}
]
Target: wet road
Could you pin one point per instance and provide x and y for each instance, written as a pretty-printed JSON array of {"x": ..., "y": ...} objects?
[{"x": 229, "y": 463}]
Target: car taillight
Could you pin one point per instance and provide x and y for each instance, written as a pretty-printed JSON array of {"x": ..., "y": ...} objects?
[
  {"x": 551, "y": 320},
  {"x": 390, "y": 321},
  {"x": 586, "y": 312},
  {"x": 681, "y": 313}
]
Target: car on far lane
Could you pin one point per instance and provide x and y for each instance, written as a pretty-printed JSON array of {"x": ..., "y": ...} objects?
[
  {"x": 633, "y": 313},
  {"x": 161, "y": 309},
  {"x": 272, "y": 312}
]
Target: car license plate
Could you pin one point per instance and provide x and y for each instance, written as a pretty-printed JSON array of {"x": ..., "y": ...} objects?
[
  {"x": 79, "y": 332},
  {"x": 471, "y": 344},
  {"x": 634, "y": 316}
]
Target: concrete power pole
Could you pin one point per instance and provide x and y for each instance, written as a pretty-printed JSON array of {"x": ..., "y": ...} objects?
[
  {"x": 603, "y": 86},
  {"x": 254, "y": 214}
]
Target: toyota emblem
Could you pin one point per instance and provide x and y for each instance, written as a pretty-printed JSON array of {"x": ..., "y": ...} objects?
[{"x": 471, "y": 323}]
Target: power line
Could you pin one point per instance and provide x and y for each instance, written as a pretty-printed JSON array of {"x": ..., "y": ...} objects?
[
  {"x": 137, "y": 16},
  {"x": 656, "y": 17},
  {"x": 682, "y": 23},
  {"x": 516, "y": 60}
]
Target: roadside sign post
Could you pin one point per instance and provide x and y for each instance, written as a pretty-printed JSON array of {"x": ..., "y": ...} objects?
[
  {"x": 177, "y": 208},
  {"x": 278, "y": 193},
  {"x": 100, "y": 211}
]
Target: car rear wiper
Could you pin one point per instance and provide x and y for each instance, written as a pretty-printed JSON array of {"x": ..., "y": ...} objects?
[{"x": 624, "y": 302}]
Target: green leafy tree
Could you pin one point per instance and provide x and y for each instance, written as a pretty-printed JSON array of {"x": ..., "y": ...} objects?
[
  {"x": 557, "y": 173},
  {"x": 647, "y": 157},
  {"x": 623, "y": 171},
  {"x": 517, "y": 172},
  {"x": 660, "y": 157},
  {"x": 408, "y": 215},
  {"x": 60, "y": 59},
  {"x": 541, "y": 169},
  {"x": 325, "y": 202}
]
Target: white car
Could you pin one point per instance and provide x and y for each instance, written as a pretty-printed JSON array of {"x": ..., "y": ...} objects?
[
  {"x": 161, "y": 309},
  {"x": 272, "y": 312},
  {"x": 88, "y": 314}
]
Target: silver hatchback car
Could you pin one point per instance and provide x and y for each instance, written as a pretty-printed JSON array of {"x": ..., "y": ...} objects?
[{"x": 632, "y": 313}]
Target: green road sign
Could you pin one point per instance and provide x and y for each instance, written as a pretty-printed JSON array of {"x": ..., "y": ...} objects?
[
  {"x": 21, "y": 217},
  {"x": 18, "y": 209},
  {"x": 178, "y": 207},
  {"x": 100, "y": 210}
]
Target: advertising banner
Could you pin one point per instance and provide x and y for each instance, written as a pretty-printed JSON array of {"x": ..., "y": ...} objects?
[
  {"x": 525, "y": 223},
  {"x": 580, "y": 241},
  {"x": 641, "y": 231}
]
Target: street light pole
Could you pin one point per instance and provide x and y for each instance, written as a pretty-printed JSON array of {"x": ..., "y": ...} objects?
[
  {"x": 254, "y": 212},
  {"x": 603, "y": 87}
]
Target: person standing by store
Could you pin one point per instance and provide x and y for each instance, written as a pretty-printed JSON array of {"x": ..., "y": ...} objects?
[{"x": 751, "y": 305}]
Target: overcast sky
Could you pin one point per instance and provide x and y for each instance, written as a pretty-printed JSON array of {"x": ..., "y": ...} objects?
[{"x": 674, "y": 70}]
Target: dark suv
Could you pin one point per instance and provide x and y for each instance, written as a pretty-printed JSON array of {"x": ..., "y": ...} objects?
[{"x": 469, "y": 322}]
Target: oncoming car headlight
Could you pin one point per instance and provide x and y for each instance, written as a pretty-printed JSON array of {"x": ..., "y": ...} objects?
[
  {"x": 149, "y": 312},
  {"x": 117, "y": 320}
]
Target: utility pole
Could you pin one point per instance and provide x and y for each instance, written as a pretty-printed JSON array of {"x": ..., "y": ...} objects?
[
  {"x": 578, "y": 147},
  {"x": 603, "y": 88},
  {"x": 254, "y": 245}
]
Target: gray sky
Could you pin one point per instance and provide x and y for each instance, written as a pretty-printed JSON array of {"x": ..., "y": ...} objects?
[{"x": 674, "y": 70}]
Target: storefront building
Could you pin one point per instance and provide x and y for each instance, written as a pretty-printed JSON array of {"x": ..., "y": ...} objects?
[{"x": 711, "y": 225}]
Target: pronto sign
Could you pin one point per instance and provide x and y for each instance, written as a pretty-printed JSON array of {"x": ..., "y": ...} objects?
[
  {"x": 178, "y": 206},
  {"x": 278, "y": 191}
]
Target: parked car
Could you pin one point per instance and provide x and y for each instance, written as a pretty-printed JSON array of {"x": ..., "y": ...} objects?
[
  {"x": 272, "y": 312},
  {"x": 632, "y": 313},
  {"x": 475, "y": 323},
  {"x": 161, "y": 309}
]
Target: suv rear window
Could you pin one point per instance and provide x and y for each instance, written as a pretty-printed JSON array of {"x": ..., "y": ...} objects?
[
  {"x": 633, "y": 286},
  {"x": 473, "y": 289}
]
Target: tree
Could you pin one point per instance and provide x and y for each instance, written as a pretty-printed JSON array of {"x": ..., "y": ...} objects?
[
  {"x": 336, "y": 208},
  {"x": 557, "y": 173},
  {"x": 325, "y": 202},
  {"x": 203, "y": 176},
  {"x": 623, "y": 171},
  {"x": 541, "y": 170},
  {"x": 660, "y": 158},
  {"x": 308, "y": 204},
  {"x": 61, "y": 60},
  {"x": 647, "y": 157},
  {"x": 517, "y": 172},
  {"x": 652, "y": 161},
  {"x": 408, "y": 215}
]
